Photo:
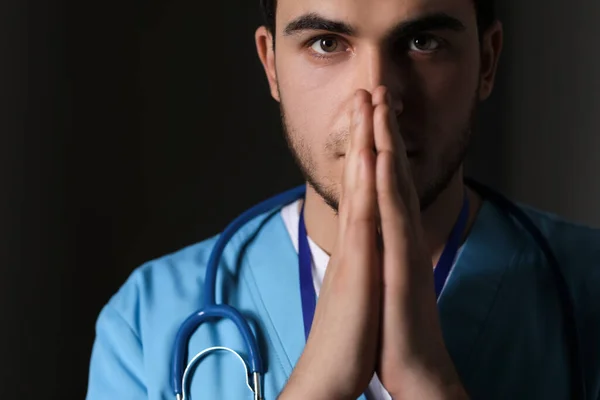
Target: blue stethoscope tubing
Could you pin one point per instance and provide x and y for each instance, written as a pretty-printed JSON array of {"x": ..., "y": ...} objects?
[{"x": 213, "y": 311}]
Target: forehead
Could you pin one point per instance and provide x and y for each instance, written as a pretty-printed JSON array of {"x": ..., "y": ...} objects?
[{"x": 370, "y": 16}]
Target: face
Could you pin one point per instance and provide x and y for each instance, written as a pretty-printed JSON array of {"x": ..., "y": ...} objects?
[{"x": 426, "y": 52}]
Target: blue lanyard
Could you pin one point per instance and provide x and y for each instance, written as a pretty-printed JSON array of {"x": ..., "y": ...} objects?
[{"x": 440, "y": 273}]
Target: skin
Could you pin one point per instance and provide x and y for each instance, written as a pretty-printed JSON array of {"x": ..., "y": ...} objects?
[{"x": 379, "y": 120}]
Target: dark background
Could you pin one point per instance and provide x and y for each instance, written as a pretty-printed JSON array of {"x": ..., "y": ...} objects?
[{"x": 107, "y": 159}]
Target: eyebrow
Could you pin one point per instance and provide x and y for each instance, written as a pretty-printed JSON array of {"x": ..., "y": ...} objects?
[{"x": 429, "y": 22}]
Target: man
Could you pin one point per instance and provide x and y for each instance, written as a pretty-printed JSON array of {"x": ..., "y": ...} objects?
[{"x": 378, "y": 99}]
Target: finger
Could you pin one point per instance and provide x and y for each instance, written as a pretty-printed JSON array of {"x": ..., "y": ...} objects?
[
  {"x": 387, "y": 132},
  {"x": 360, "y": 124},
  {"x": 364, "y": 198},
  {"x": 388, "y": 139},
  {"x": 380, "y": 99},
  {"x": 357, "y": 239},
  {"x": 391, "y": 177},
  {"x": 389, "y": 136},
  {"x": 361, "y": 234},
  {"x": 361, "y": 137},
  {"x": 379, "y": 95},
  {"x": 395, "y": 221}
]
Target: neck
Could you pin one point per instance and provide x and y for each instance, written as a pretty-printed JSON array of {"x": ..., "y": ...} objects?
[{"x": 438, "y": 220}]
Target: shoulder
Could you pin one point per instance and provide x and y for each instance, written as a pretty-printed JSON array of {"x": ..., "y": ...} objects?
[
  {"x": 137, "y": 327},
  {"x": 170, "y": 269},
  {"x": 577, "y": 250},
  {"x": 172, "y": 286},
  {"x": 176, "y": 272},
  {"x": 576, "y": 246},
  {"x": 126, "y": 359}
]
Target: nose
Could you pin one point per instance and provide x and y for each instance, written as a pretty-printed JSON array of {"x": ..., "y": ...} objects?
[{"x": 376, "y": 67}]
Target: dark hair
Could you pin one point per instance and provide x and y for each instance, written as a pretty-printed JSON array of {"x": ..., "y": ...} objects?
[{"x": 486, "y": 14}]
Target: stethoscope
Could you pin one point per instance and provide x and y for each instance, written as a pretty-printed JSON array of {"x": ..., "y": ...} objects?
[{"x": 254, "y": 367}]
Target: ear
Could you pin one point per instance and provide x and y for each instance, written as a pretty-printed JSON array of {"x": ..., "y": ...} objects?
[
  {"x": 491, "y": 47},
  {"x": 266, "y": 53}
]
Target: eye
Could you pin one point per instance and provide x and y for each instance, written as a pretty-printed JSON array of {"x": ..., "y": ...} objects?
[
  {"x": 325, "y": 45},
  {"x": 424, "y": 43}
]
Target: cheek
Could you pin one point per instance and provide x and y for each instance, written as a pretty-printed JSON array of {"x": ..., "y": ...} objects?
[
  {"x": 317, "y": 86},
  {"x": 456, "y": 83},
  {"x": 298, "y": 70},
  {"x": 446, "y": 94},
  {"x": 313, "y": 101}
]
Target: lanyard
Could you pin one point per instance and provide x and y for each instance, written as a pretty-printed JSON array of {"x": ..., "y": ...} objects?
[{"x": 440, "y": 273}]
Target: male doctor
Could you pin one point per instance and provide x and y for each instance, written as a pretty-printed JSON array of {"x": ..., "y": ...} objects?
[{"x": 378, "y": 99}]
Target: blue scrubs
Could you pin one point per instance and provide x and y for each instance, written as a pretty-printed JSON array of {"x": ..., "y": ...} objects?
[{"x": 500, "y": 313}]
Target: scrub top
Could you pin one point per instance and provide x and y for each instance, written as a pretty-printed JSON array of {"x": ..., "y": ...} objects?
[{"x": 500, "y": 313}]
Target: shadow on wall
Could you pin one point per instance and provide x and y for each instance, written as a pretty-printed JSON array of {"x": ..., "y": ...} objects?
[{"x": 550, "y": 106}]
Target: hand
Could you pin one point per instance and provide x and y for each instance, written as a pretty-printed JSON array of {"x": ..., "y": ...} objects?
[
  {"x": 413, "y": 362},
  {"x": 339, "y": 359}
]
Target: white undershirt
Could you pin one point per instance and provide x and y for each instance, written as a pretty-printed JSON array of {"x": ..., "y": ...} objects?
[{"x": 320, "y": 259}]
